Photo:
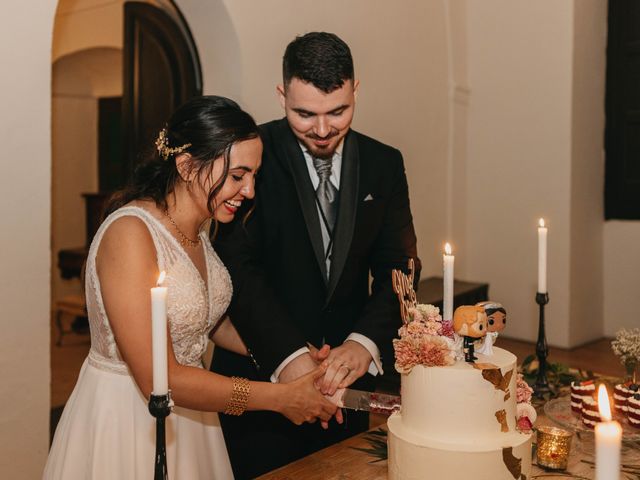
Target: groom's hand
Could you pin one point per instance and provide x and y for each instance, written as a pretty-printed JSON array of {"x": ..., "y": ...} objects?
[
  {"x": 321, "y": 355},
  {"x": 296, "y": 368},
  {"x": 347, "y": 363}
]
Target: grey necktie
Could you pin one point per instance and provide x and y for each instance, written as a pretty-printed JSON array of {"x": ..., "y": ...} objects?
[{"x": 326, "y": 192}]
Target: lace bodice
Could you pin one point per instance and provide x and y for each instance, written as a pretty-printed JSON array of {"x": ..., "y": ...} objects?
[{"x": 192, "y": 308}]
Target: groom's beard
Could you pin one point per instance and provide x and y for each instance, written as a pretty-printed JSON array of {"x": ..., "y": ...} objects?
[{"x": 319, "y": 151}]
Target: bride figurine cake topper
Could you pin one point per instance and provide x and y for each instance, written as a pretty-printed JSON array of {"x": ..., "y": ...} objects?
[{"x": 496, "y": 323}]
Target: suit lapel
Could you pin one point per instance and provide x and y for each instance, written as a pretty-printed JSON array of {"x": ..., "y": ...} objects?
[
  {"x": 349, "y": 186},
  {"x": 306, "y": 193}
]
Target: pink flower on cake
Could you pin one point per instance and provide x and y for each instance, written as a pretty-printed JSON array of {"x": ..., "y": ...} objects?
[
  {"x": 428, "y": 350},
  {"x": 447, "y": 329},
  {"x": 435, "y": 353},
  {"x": 415, "y": 315},
  {"x": 407, "y": 354},
  {"x": 524, "y": 425},
  {"x": 433, "y": 328},
  {"x": 422, "y": 342},
  {"x": 526, "y": 416},
  {"x": 429, "y": 312},
  {"x": 413, "y": 329},
  {"x": 523, "y": 390}
]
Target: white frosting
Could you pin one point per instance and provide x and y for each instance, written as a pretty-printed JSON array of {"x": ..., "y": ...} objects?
[
  {"x": 455, "y": 405},
  {"x": 448, "y": 427},
  {"x": 411, "y": 461}
]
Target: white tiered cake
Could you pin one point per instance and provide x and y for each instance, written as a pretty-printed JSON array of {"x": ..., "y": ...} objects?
[{"x": 459, "y": 422}]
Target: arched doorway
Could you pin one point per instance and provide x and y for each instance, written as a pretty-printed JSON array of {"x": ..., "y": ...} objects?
[{"x": 112, "y": 91}]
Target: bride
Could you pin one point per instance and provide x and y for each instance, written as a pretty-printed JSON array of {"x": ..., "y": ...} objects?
[{"x": 208, "y": 157}]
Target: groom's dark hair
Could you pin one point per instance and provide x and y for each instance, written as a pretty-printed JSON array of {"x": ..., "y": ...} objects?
[{"x": 319, "y": 58}]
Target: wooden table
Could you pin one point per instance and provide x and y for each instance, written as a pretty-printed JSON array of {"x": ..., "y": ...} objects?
[{"x": 343, "y": 462}]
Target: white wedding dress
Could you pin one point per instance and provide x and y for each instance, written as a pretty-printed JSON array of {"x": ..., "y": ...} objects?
[{"x": 106, "y": 431}]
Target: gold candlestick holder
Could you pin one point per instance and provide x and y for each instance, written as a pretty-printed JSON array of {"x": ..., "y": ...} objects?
[{"x": 554, "y": 445}]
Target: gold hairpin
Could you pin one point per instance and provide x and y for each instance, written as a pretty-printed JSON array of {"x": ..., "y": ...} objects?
[{"x": 162, "y": 145}]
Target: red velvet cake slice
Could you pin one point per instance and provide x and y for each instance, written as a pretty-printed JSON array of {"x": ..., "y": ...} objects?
[
  {"x": 590, "y": 413},
  {"x": 633, "y": 410},
  {"x": 580, "y": 390},
  {"x": 621, "y": 393}
]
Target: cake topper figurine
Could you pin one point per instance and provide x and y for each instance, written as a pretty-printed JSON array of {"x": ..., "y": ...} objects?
[
  {"x": 496, "y": 322},
  {"x": 403, "y": 286},
  {"x": 470, "y": 322}
]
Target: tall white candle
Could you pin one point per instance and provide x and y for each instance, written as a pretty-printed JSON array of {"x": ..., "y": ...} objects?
[
  {"x": 159, "y": 337},
  {"x": 447, "y": 297},
  {"x": 542, "y": 257},
  {"x": 608, "y": 440}
]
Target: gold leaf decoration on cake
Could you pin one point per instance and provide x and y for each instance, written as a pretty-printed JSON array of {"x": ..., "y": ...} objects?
[
  {"x": 494, "y": 377},
  {"x": 484, "y": 366},
  {"x": 514, "y": 464},
  {"x": 501, "y": 416},
  {"x": 507, "y": 395}
]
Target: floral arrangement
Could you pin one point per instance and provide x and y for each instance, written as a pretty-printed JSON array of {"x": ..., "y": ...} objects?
[
  {"x": 525, "y": 413},
  {"x": 424, "y": 340},
  {"x": 627, "y": 347}
]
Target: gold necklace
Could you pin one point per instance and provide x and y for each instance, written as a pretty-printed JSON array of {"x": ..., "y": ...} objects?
[{"x": 184, "y": 240}]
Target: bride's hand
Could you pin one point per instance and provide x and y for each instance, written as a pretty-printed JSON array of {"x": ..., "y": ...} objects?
[
  {"x": 336, "y": 399},
  {"x": 304, "y": 403}
]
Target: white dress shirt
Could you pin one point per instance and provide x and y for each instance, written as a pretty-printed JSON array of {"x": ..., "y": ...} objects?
[{"x": 375, "y": 367}]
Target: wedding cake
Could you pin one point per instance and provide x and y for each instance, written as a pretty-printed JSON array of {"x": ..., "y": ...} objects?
[{"x": 459, "y": 419}]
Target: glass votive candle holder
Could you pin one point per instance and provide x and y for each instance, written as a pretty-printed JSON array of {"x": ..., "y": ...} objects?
[{"x": 554, "y": 445}]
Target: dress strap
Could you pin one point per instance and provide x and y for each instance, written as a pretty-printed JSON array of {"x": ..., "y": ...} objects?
[{"x": 164, "y": 255}]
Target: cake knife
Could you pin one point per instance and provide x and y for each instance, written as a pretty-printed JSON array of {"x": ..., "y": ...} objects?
[{"x": 369, "y": 401}]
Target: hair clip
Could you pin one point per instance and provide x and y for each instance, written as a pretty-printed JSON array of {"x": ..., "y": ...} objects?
[{"x": 162, "y": 145}]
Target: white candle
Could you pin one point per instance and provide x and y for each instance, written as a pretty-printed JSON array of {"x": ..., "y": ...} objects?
[
  {"x": 447, "y": 297},
  {"x": 608, "y": 440},
  {"x": 542, "y": 257},
  {"x": 159, "y": 337}
]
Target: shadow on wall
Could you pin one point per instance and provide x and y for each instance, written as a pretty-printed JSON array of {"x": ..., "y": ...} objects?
[{"x": 219, "y": 47}]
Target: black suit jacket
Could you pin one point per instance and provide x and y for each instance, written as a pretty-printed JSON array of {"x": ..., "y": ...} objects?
[{"x": 282, "y": 297}]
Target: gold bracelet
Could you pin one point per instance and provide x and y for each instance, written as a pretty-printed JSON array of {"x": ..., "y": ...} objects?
[{"x": 239, "y": 396}]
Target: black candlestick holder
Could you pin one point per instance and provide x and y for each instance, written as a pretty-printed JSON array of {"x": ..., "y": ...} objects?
[
  {"x": 160, "y": 407},
  {"x": 541, "y": 387}
]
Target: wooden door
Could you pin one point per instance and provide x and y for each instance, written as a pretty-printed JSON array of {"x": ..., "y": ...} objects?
[
  {"x": 161, "y": 71},
  {"x": 622, "y": 137}
]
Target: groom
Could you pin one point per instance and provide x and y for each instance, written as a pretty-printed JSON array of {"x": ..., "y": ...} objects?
[{"x": 331, "y": 208}]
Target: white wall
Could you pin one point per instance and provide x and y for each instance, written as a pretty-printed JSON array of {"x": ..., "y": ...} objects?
[
  {"x": 587, "y": 171},
  {"x": 400, "y": 56},
  {"x": 519, "y": 155},
  {"x": 25, "y": 183}
]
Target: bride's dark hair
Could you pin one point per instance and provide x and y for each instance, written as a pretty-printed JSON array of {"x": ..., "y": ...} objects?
[{"x": 205, "y": 127}]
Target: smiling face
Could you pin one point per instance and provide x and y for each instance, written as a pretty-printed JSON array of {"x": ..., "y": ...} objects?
[
  {"x": 245, "y": 159},
  {"x": 319, "y": 120},
  {"x": 497, "y": 321}
]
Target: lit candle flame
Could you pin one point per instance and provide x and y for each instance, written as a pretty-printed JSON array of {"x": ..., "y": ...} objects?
[
  {"x": 161, "y": 278},
  {"x": 541, "y": 223},
  {"x": 603, "y": 403},
  {"x": 447, "y": 249}
]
